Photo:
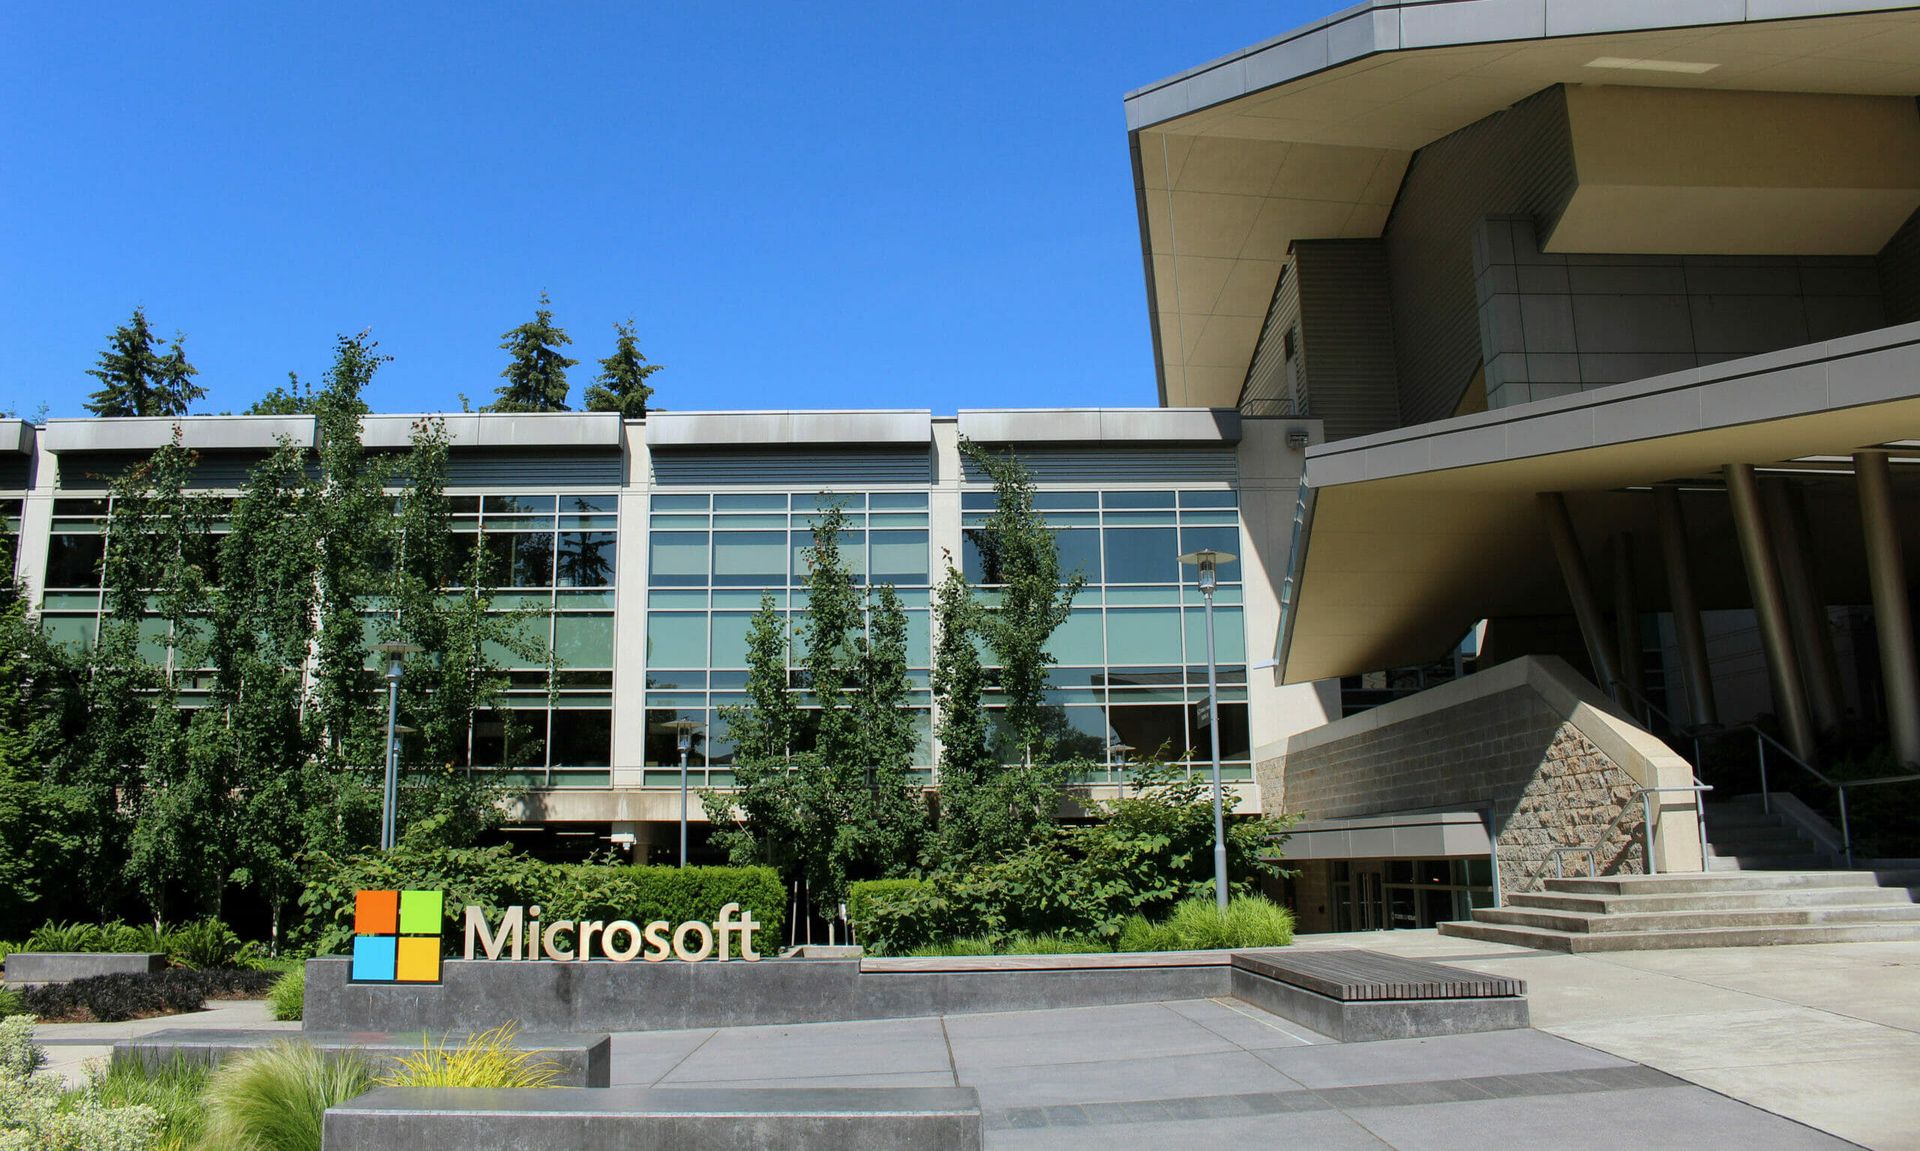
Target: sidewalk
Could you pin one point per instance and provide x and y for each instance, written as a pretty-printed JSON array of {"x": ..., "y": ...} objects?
[
  {"x": 72, "y": 1048},
  {"x": 1826, "y": 1034}
]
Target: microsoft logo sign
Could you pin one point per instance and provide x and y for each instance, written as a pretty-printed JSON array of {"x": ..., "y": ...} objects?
[{"x": 396, "y": 936}]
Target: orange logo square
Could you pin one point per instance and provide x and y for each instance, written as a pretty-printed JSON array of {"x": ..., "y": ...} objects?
[{"x": 376, "y": 913}]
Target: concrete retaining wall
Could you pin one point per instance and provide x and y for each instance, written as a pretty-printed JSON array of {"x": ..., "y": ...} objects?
[
  {"x": 601, "y": 996},
  {"x": 671, "y": 1119},
  {"x": 1530, "y": 737},
  {"x": 36, "y": 967},
  {"x": 579, "y": 1060}
]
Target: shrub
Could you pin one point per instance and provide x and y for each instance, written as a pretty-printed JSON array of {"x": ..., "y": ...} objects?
[
  {"x": 111, "y": 998},
  {"x": 1138, "y": 933},
  {"x": 273, "y": 1099},
  {"x": 1250, "y": 921},
  {"x": 208, "y": 943},
  {"x": 861, "y": 897},
  {"x": 497, "y": 878},
  {"x": 287, "y": 998},
  {"x": 488, "y": 1059},
  {"x": 35, "y": 1115},
  {"x": 11, "y": 1003},
  {"x": 173, "y": 1090}
]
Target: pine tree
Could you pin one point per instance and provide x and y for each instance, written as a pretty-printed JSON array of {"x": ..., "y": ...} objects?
[
  {"x": 622, "y": 384},
  {"x": 137, "y": 379},
  {"x": 536, "y": 374}
]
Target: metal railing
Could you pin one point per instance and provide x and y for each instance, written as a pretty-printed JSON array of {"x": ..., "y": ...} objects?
[
  {"x": 1649, "y": 830},
  {"x": 1762, "y": 742}
]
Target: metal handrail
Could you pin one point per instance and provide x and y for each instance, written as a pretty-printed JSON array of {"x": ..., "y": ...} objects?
[
  {"x": 1763, "y": 740},
  {"x": 1648, "y": 830}
]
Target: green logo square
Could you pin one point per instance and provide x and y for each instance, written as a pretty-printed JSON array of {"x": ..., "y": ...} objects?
[{"x": 420, "y": 912}]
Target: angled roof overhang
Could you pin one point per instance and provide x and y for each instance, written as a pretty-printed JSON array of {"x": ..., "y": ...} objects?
[
  {"x": 1410, "y": 537},
  {"x": 1307, "y": 136}
]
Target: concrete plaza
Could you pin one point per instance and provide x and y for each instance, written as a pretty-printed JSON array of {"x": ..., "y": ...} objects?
[{"x": 1750, "y": 1048}]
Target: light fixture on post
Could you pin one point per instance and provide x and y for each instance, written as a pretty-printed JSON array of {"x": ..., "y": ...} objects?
[
  {"x": 396, "y": 652},
  {"x": 683, "y": 732},
  {"x": 1119, "y": 750},
  {"x": 1208, "y": 562}
]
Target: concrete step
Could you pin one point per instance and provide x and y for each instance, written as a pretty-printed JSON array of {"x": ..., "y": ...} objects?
[
  {"x": 1718, "y": 817},
  {"x": 1691, "y": 919},
  {"x": 1716, "y": 901},
  {"x": 1756, "y": 861},
  {"x": 1731, "y": 841},
  {"x": 1547, "y": 939},
  {"x": 1694, "y": 881}
]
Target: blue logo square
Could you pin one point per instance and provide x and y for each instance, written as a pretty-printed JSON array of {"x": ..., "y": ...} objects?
[{"x": 375, "y": 958}]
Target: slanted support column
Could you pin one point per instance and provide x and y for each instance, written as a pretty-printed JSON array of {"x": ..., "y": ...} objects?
[
  {"x": 1887, "y": 570},
  {"x": 1686, "y": 609},
  {"x": 1586, "y": 608},
  {"x": 1806, "y": 610},
  {"x": 1770, "y": 609},
  {"x": 1626, "y": 622}
]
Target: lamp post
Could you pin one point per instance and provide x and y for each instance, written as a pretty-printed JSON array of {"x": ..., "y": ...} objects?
[
  {"x": 683, "y": 731},
  {"x": 396, "y": 652},
  {"x": 1208, "y": 561}
]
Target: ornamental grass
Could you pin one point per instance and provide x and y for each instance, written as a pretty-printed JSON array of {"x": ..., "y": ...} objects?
[{"x": 488, "y": 1059}]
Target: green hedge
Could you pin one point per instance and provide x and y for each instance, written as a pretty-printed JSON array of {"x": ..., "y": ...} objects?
[
  {"x": 205, "y": 943},
  {"x": 865, "y": 898},
  {"x": 498, "y": 877}
]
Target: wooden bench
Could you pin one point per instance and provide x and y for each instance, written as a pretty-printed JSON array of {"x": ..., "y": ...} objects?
[{"x": 1354, "y": 995}]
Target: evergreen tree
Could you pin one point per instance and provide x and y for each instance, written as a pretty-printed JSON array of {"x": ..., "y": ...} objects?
[
  {"x": 846, "y": 807},
  {"x": 622, "y": 384},
  {"x": 989, "y": 808},
  {"x": 138, "y": 379},
  {"x": 536, "y": 373},
  {"x": 294, "y": 398}
]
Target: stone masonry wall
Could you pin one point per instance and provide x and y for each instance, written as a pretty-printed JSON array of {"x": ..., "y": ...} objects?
[{"x": 1548, "y": 784}]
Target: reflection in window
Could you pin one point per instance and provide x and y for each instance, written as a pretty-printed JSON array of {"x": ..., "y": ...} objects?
[
  {"x": 73, "y": 561},
  {"x": 1151, "y": 729},
  {"x": 586, "y": 559},
  {"x": 679, "y": 559}
]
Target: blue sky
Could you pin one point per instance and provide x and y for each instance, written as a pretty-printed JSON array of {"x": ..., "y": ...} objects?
[{"x": 801, "y": 205}]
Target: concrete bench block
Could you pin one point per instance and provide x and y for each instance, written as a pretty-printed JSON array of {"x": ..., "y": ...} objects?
[
  {"x": 1364, "y": 1020},
  {"x": 31, "y": 968},
  {"x": 583, "y": 1060},
  {"x": 679, "y": 1119}
]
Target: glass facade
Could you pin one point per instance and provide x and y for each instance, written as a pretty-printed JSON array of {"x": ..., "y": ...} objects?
[
  {"x": 1131, "y": 677},
  {"x": 711, "y": 559},
  {"x": 555, "y": 558}
]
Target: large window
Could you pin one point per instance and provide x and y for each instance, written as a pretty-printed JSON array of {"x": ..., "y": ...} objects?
[
  {"x": 712, "y": 557},
  {"x": 1131, "y": 678}
]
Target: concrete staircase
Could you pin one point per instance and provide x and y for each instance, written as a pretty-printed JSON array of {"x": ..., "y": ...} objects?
[
  {"x": 1767, "y": 882},
  {"x": 1711, "y": 909},
  {"x": 1741, "y": 836}
]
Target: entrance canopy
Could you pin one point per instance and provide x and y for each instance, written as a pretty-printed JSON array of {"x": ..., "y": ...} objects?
[{"x": 1408, "y": 538}]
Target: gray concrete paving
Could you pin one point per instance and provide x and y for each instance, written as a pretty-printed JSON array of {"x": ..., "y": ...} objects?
[
  {"x": 75, "y": 1049},
  {"x": 1825, "y": 1034},
  {"x": 1206, "y": 1072}
]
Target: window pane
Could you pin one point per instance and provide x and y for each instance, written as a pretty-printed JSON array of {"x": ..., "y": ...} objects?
[
  {"x": 1138, "y": 499},
  {"x": 504, "y": 738},
  {"x": 1079, "y": 552},
  {"x": 679, "y": 559},
  {"x": 679, "y": 503},
  {"x": 510, "y": 504},
  {"x": 74, "y": 560},
  {"x": 1229, "y": 636},
  {"x": 581, "y": 641},
  {"x": 580, "y": 504},
  {"x": 1234, "y": 743},
  {"x": 730, "y": 630},
  {"x": 1077, "y": 641},
  {"x": 586, "y": 559},
  {"x": 1220, "y": 539},
  {"x": 915, "y": 501},
  {"x": 853, "y": 554},
  {"x": 1209, "y": 500},
  {"x": 75, "y": 631},
  {"x": 676, "y": 639},
  {"x": 900, "y": 557},
  {"x": 1143, "y": 636},
  {"x": 1143, "y": 555},
  {"x": 919, "y": 639},
  {"x": 749, "y": 559},
  {"x": 1152, "y": 730},
  {"x": 750, "y": 501},
  {"x": 583, "y": 738},
  {"x": 663, "y": 746},
  {"x": 520, "y": 559},
  {"x": 1065, "y": 501},
  {"x": 1077, "y": 732}
]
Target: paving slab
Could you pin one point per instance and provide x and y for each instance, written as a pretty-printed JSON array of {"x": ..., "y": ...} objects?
[
  {"x": 1682, "y": 1116},
  {"x": 1445, "y": 1056},
  {"x": 1135, "y": 1031},
  {"x": 877, "y": 1047},
  {"x": 1175, "y": 1077},
  {"x": 1868, "y": 1101}
]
